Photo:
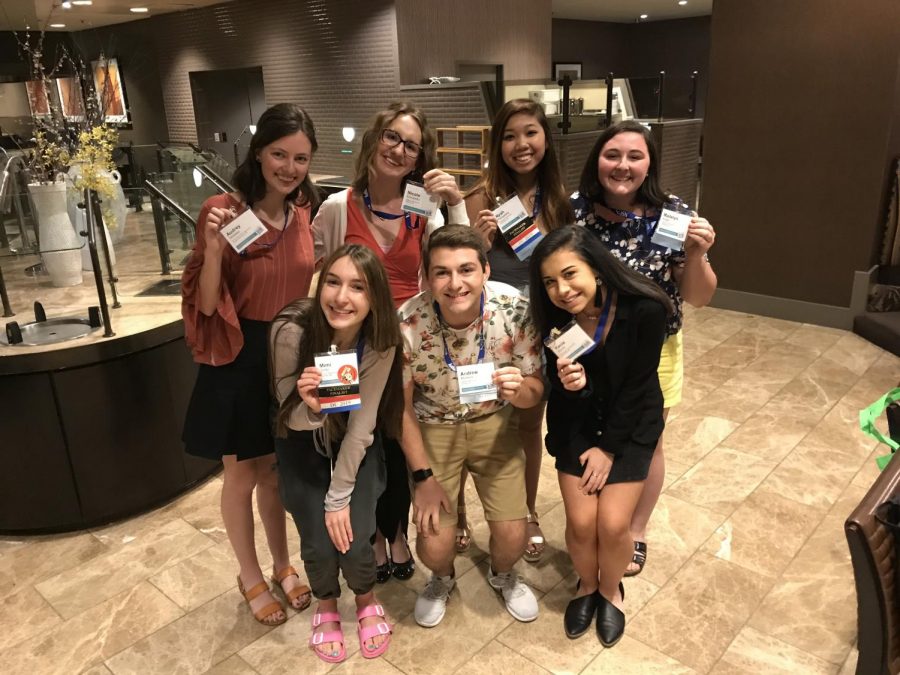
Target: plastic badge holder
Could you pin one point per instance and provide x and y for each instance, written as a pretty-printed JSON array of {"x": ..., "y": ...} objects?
[
  {"x": 517, "y": 227},
  {"x": 570, "y": 342},
  {"x": 339, "y": 389},
  {"x": 671, "y": 230}
]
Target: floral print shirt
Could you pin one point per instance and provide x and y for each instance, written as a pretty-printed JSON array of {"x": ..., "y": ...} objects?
[
  {"x": 628, "y": 238},
  {"x": 510, "y": 340}
]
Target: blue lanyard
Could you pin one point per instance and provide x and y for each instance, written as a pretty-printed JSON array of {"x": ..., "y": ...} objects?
[
  {"x": 268, "y": 247},
  {"x": 481, "y": 336},
  {"x": 389, "y": 216},
  {"x": 601, "y": 324}
]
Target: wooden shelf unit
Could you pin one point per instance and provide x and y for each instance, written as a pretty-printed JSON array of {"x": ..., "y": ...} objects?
[{"x": 461, "y": 150}]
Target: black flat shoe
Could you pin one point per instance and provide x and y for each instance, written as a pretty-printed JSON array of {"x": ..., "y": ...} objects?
[
  {"x": 404, "y": 570},
  {"x": 579, "y": 614},
  {"x": 383, "y": 573},
  {"x": 610, "y": 621}
]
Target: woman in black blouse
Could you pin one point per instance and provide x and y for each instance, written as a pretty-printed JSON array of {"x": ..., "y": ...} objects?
[{"x": 604, "y": 416}]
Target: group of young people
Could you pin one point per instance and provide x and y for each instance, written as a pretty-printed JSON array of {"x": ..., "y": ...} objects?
[{"x": 458, "y": 342}]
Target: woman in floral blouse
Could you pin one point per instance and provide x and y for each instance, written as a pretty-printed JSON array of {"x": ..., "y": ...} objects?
[{"x": 619, "y": 199}]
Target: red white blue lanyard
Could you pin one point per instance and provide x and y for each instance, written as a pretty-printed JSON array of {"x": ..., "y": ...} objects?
[
  {"x": 481, "y": 336},
  {"x": 390, "y": 216}
]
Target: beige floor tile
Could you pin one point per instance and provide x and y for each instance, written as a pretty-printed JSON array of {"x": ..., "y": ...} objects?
[
  {"x": 807, "y": 398},
  {"x": 99, "y": 669},
  {"x": 360, "y": 666},
  {"x": 812, "y": 475},
  {"x": 195, "y": 642},
  {"x": 826, "y": 368},
  {"x": 82, "y": 587},
  {"x": 764, "y": 533},
  {"x": 738, "y": 351},
  {"x": 696, "y": 346},
  {"x": 674, "y": 471},
  {"x": 45, "y": 557},
  {"x": 475, "y": 615},
  {"x": 812, "y": 606},
  {"x": 849, "y": 667},
  {"x": 870, "y": 471},
  {"x": 24, "y": 614},
  {"x": 635, "y": 658},
  {"x": 880, "y": 378},
  {"x": 721, "y": 480},
  {"x": 708, "y": 376},
  {"x": 768, "y": 436},
  {"x": 774, "y": 329},
  {"x": 840, "y": 429},
  {"x": 677, "y": 529},
  {"x": 689, "y": 437},
  {"x": 753, "y": 652},
  {"x": 721, "y": 327},
  {"x": 694, "y": 618},
  {"x": 197, "y": 580},
  {"x": 784, "y": 359},
  {"x": 233, "y": 665},
  {"x": 94, "y": 635},
  {"x": 819, "y": 338},
  {"x": 733, "y": 401},
  {"x": 853, "y": 353},
  {"x": 498, "y": 659}
]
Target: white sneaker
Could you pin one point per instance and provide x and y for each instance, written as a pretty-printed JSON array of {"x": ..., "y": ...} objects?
[
  {"x": 520, "y": 601},
  {"x": 432, "y": 602}
]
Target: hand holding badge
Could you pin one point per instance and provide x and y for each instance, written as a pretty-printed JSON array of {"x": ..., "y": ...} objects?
[
  {"x": 672, "y": 228},
  {"x": 243, "y": 231},
  {"x": 339, "y": 388}
]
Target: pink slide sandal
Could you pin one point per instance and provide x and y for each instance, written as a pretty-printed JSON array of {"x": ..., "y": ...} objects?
[
  {"x": 367, "y": 633},
  {"x": 321, "y": 637}
]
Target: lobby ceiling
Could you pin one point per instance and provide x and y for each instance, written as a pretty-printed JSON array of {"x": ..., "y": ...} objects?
[
  {"x": 629, "y": 11},
  {"x": 37, "y": 14}
]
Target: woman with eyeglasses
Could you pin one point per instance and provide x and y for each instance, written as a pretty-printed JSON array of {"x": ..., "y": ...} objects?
[
  {"x": 397, "y": 147},
  {"x": 228, "y": 300}
]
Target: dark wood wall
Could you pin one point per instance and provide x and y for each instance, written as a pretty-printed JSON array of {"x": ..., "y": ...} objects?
[{"x": 801, "y": 130}]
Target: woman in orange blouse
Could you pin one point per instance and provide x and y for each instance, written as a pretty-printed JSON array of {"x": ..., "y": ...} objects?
[{"x": 228, "y": 300}]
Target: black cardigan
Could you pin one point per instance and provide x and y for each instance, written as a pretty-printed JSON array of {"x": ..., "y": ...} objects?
[{"x": 621, "y": 406}]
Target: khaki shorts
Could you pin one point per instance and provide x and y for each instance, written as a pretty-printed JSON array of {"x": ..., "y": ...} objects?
[
  {"x": 671, "y": 369},
  {"x": 490, "y": 448}
]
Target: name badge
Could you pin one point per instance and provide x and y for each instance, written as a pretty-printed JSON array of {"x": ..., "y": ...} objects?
[
  {"x": 243, "y": 230},
  {"x": 671, "y": 231},
  {"x": 416, "y": 200},
  {"x": 569, "y": 342},
  {"x": 517, "y": 227},
  {"x": 339, "y": 389},
  {"x": 476, "y": 383}
]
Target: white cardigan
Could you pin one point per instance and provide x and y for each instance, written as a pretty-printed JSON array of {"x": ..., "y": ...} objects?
[{"x": 330, "y": 224}]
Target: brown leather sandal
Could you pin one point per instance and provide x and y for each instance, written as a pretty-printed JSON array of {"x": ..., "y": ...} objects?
[
  {"x": 295, "y": 593},
  {"x": 265, "y": 612}
]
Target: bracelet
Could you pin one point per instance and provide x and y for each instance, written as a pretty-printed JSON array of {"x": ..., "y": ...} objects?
[{"x": 420, "y": 475}]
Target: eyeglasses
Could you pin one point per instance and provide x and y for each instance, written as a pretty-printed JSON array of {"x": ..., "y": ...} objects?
[{"x": 393, "y": 139}]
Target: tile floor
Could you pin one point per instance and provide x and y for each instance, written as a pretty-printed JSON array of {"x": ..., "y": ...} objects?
[{"x": 748, "y": 568}]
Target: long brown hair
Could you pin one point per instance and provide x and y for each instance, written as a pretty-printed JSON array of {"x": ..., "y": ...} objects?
[
  {"x": 380, "y": 329},
  {"x": 371, "y": 139},
  {"x": 498, "y": 180}
]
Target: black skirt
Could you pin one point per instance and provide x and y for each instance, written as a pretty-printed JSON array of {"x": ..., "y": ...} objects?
[{"x": 230, "y": 412}]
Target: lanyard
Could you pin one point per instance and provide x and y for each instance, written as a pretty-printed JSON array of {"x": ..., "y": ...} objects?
[
  {"x": 389, "y": 216},
  {"x": 536, "y": 207},
  {"x": 268, "y": 247},
  {"x": 481, "y": 336},
  {"x": 601, "y": 324}
]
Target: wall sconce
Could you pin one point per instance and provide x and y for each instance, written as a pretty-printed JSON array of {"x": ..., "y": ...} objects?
[
  {"x": 252, "y": 129},
  {"x": 349, "y": 133},
  {"x": 198, "y": 177}
]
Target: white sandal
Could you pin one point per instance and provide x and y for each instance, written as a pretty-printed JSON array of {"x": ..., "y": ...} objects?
[{"x": 535, "y": 547}]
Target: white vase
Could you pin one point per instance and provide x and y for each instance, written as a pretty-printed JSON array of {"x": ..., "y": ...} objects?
[
  {"x": 114, "y": 209},
  {"x": 58, "y": 238}
]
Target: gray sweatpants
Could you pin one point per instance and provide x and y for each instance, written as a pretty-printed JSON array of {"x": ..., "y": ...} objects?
[{"x": 304, "y": 477}]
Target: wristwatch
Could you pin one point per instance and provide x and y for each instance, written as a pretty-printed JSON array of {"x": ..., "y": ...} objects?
[{"x": 421, "y": 474}]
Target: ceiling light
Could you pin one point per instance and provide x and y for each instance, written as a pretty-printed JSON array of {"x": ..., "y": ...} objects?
[
  {"x": 682, "y": 2},
  {"x": 57, "y": 25},
  {"x": 82, "y": 2},
  {"x": 139, "y": 10},
  {"x": 644, "y": 16},
  {"x": 66, "y": 5}
]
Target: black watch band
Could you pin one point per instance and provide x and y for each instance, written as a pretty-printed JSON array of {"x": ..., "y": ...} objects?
[{"x": 422, "y": 474}]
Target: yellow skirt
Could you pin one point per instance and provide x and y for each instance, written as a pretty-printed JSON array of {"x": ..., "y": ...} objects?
[{"x": 671, "y": 369}]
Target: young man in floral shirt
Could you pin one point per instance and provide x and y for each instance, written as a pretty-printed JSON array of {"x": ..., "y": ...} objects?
[{"x": 471, "y": 355}]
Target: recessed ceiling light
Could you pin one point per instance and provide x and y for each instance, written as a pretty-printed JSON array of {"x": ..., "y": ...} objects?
[
  {"x": 644, "y": 16},
  {"x": 139, "y": 10},
  {"x": 57, "y": 25}
]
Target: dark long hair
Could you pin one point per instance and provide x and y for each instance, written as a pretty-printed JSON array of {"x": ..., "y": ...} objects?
[
  {"x": 588, "y": 247},
  {"x": 380, "y": 329},
  {"x": 649, "y": 193},
  {"x": 284, "y": 119},
  {"x": 498, "y": 180},
  {"x": 371, "y": 139}
]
